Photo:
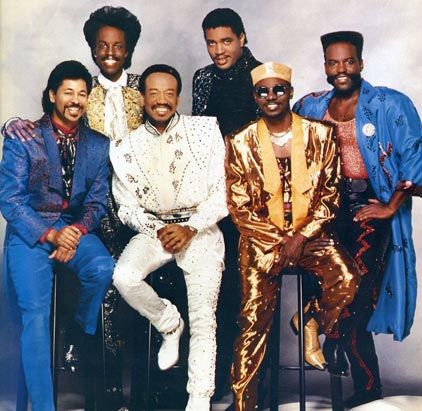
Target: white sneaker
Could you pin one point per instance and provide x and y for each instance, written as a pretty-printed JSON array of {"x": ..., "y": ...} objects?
[
  {"x": 169, "y": 350},
  {"x": 198, "y": 404}
]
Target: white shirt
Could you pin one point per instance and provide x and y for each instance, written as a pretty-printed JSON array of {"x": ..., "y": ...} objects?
[{"x": 115, "y": 123}]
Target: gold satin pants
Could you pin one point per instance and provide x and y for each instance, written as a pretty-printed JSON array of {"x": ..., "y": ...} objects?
[{"x": 339, "y": 277}]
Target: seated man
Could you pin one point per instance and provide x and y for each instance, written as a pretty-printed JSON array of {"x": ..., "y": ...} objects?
[
  {"x": 53, "y": 192},
  {"x": 169, "y": 185},
  {"x": 282, "y": 176}
]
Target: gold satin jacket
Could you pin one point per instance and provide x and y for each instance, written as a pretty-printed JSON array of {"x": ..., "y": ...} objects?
[{"x": 254, "y": 194}]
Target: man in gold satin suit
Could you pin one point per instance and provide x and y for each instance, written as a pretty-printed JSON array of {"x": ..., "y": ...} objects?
[{"x": 282, "y": 176}]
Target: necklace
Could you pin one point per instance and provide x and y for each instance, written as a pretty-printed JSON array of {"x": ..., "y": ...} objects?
[{"x": 281, "y": 139}]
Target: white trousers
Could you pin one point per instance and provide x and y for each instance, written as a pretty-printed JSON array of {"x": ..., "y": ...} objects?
[{"x": 202, "y": 265}]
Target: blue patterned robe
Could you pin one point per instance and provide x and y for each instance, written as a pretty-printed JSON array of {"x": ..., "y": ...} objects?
[{"x": 389, "y": 137}]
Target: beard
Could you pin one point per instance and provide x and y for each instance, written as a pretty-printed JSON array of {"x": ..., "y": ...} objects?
[{"x": 356, "y": 80}]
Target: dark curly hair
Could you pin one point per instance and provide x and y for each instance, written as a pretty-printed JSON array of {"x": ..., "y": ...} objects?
[
  {"x": 160, "y": 68},
  {"x": 70, "y": 69},
  {"x": 224, "y": 17},
  {"x": 118, "y": 17}
]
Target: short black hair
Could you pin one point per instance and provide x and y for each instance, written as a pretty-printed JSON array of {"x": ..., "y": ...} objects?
[
  {"x": 224, "y": 17},
  {"x": 70, "y": 69},
  {"x": 160, "y": 68},
  {"x": 353, "y": 37},
  {"x": 118, "y": 17}
]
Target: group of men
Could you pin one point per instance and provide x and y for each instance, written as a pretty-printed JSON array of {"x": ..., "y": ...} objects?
[{"x": 351, "y": 156}]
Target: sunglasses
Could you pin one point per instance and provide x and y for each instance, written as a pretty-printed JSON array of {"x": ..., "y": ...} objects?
[{"x": 279, "y": 90}]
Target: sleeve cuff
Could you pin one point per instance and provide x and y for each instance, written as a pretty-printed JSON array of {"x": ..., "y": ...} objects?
[
  {"x": 81, "y": 228},
  {"x": 6, "y": 124},
  {"x": 43, "y": 238}
]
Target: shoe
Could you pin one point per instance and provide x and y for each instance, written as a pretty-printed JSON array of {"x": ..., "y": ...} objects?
[
  {"x": 336, "y": 357},
  {"x": 169, "y": 350},
  {"x": 312, "y": 350},
  {"x": 71, "y": 358},
  {"x": 359, "y": 398}
]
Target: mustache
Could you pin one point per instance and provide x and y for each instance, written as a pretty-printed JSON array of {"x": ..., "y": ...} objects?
[
  {"x": 356, "y": 78},
  {"x": 115, "y": 58}
]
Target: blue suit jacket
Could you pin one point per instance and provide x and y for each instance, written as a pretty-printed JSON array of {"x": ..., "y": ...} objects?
[
  {"x": 389, "y": 135},
  {"x": 31, "y": 183}
]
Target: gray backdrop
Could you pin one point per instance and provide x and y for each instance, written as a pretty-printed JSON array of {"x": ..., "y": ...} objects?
[{"x": 36, "y": 35}]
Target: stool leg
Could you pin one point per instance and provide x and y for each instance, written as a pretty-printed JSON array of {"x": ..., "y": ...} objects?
[
  {"x": 101, "y": 390},
  {"x": 301, "y": 342},
  {"x": 54, "y": 341},
  {"x": 336, "y": 393},
  {"x": 275, "y": 357}
]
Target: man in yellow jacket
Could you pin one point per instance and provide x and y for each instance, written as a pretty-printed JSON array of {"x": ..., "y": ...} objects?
[{"x": 282, "y": 177}]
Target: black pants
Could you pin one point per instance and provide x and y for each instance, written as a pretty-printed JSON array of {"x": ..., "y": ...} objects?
[
  {"x": 367, "y": 242},
  {"x": 228, "y": 307}
]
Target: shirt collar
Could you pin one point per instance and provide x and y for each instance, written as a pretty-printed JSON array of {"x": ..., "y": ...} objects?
[
  {"x": 62, "y": 132},
  {"x": 107, "y": 84},
  {"x": 172, "y": 123}
]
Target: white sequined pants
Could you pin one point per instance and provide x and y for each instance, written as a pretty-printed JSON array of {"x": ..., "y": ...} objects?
[{"x": 202, "y": 265}]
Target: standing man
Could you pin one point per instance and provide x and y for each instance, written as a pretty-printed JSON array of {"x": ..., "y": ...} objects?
[
  {"x": 224, "y": 90},
  {"x": 169, "y": 185},
  {"x": 115, "y": 107},
  {"x": 53, "y": 194},
  {"x": 379, "y": 133},
  {"x": 282, "y": 177}
]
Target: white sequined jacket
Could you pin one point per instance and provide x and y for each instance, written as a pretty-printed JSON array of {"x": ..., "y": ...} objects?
[{"x": 181, "y": 168}]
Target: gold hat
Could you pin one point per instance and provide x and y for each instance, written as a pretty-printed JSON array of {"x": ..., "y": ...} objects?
[{"x": 271, "y": 69}]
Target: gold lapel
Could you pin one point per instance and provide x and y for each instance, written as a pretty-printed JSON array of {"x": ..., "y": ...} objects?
[
  {"x": 301, "y": 180},
  {"x": 272, "y": 183}
]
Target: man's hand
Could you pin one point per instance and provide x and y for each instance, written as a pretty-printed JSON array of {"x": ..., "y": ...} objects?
[
  {"x": 62, "y": 255},
  {"x": 317, "y": 246},
  {"x": 291, "y": 249},
  {"x": 174, "y": 237},
  {"x": 67, "y": 237},
  {"x": 375, "y": 210},
  {"x": 22, "y": 129}
]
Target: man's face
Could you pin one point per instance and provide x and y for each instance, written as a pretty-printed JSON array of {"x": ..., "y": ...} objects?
[
  {"x": 273, "y": 97},
  {"x": 161, "y": 99},
  {"x": 343, "y": 67},
  {"x": 224, "y": 46},
  {"x": 110, "y": 52},
  {"x": 70, "y": 101}
]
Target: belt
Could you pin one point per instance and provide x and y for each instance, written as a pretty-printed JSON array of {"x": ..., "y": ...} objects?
[
  {"x": 354, "y": 185},
  {"x": 176, "y": 216}
]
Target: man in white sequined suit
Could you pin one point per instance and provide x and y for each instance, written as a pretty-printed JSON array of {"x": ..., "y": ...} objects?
[{"x": 169, "y": 184}]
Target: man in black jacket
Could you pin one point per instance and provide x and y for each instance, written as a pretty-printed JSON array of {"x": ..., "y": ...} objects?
[{"x": 224, "y": 89}]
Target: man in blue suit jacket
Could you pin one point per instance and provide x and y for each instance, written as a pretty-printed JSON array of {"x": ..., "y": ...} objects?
[
  {"x": 53, "y": 192},
  {"x": 379, "y": 134}
]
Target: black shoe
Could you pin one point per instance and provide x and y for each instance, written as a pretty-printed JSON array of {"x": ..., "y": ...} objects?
[
  {"x": 363, "y": 397},
  {"x": 336, "y": 357},
  {"x": 75, "y": 341},
  {"x": 71, "y": 358}
]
